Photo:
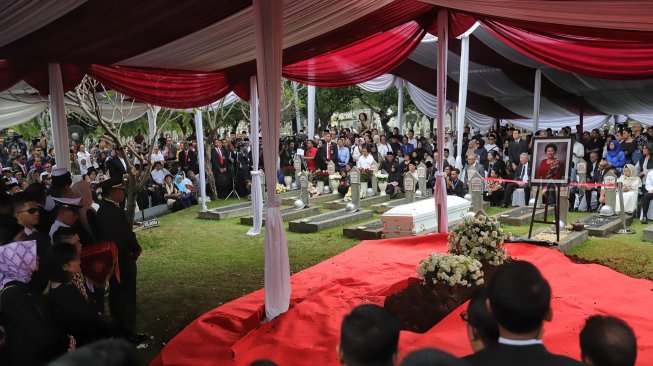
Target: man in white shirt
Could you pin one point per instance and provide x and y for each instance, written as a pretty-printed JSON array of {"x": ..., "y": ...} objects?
[
  {"x": 411, "y": 139},
  {"x": 578, "y": 151},
  {"x": 158, "y": 173},
  {"x": 156, "y": 155},
  {"x": 365, "y": 161},
  {"x": 450, "y": 159},
  {"x": 83, "y": 154}
]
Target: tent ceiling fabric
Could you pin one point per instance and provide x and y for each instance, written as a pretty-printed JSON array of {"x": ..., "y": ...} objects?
[{"x": 216, "y": 47}]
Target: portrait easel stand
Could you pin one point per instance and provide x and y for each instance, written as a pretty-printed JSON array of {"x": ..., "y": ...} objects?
[{"x": 556, "y": 210}]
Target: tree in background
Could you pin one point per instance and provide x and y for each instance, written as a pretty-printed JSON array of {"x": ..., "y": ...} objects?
[{"x": 93, "y": 98}]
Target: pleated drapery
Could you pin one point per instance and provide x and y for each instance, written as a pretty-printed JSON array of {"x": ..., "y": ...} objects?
[
  {"x": 268, "y": 30},
  {"x": 256, "y": 188},
  {"x": 58, "y": 118}
]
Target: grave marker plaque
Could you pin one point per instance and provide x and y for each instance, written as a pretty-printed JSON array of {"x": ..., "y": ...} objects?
[
  {"x": 564, "y": 203},
  {"x": 409, "y": 188},
  {"x": 297, "y": 163},
  {"x": 355, "y": 181},
  {"x": 303, "y": 185},
  {"x": 373, "y": 181},
  {"x": 610, "y": 192},
  {"x": 421, "y": 178},
  {"x": 476, "y": 190},
  {"x": 581, "y": 171}
]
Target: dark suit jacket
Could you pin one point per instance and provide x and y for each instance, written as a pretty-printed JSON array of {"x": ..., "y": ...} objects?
[
  {"x": 458, "y": 189},
  {"x": 192, "y": 160},
  {"x": 515, "y": 149},
  {"x": 115, "y": 168},
  {"x": 112, "y": 225},
  {"x": 322, "y": 155},
  {"x": 505, "y": 355},
  {"x": 215, "y": 160}
]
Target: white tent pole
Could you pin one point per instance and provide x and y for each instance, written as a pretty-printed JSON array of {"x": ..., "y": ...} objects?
[
  {"x": 256, "y": 189},
  {"x": 268, "y": 22},
  {"x": 400, "y": 105},
  {"x": 311, "y": 111},
  {"x": 537, "y": 96},
  {"x": 440, "y": 190},
  {"x": 462, "y": 96},
  {"x": 298, "y": 120},
  {"x": 199, "y": 127},
  {"x": 58, "y": 118}
]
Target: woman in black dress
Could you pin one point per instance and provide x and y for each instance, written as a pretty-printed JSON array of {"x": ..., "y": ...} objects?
[{"x": 72, "y": 307}]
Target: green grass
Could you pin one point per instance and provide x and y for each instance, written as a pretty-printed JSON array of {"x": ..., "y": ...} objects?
[{"x": 191, "y": 266}]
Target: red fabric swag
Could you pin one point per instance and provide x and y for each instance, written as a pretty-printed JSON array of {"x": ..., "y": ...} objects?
[
  {"x": 597, "y": 56},
  {"x": 360, "y": 61},
  {"x": 165, "y": 88}
]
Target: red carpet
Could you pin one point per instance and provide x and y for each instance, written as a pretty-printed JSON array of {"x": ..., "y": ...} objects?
[{"x": 308, "y": 333}]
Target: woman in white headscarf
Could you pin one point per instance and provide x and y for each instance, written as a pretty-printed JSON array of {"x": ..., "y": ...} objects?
[
  {"x": 631, "y": 184},
  {"x": 31, "y": 336}
]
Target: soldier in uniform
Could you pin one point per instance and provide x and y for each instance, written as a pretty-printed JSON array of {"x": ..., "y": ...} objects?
[{"x": 113, "y": 226}]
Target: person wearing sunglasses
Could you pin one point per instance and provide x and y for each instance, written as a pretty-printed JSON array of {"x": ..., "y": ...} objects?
[
  {"x": 27, "y": 214},
  {"x": 482, "y": 327}
]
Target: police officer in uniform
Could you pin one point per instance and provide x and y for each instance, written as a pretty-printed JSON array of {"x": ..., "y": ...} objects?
[{"x": 113, "y": 226}]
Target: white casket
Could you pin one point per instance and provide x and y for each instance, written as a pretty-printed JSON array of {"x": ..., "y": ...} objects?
[{"x": 419, "y": 217}]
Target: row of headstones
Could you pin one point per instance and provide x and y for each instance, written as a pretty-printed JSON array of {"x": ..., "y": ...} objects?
[{"x": 354, "y": 180}]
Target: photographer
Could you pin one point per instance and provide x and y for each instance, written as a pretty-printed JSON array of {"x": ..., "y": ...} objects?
[
  {"x": 287, "y": 152},
  {"x": 241, "y": 168}
]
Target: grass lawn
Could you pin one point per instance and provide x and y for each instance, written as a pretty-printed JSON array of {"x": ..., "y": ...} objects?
[{"x": 191, "y": 266}]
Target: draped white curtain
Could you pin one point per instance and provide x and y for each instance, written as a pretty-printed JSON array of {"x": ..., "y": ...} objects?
[
  {"x": 440, "y": 191},
  {"x": 480, "y": 120},
  {"x": 13, "y": 113},
  {"x": 199, "y": 127},
  {"x": 557, "y": 123},
  {"x": 424, "y": 101},
  {"x": 379, "y": 84},
  {"x": 311, "y": 112},
  {"x": 231, "y": 41},
  {"x": 268, "y": 26},
  {"x": 58, "y": 117},
  {"x": 400, "y": 105},
  {"x": 462, "y": 96},
  {"x": 256, "y": 194},
  {"x": 537, "y": 96}
]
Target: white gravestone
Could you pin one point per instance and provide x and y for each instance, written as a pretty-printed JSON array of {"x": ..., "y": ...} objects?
[{"x": 355, "y": 181}]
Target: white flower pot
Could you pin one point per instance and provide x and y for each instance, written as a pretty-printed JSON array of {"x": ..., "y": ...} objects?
[
  {"x": 334, "y": 183},
  {"x": 288, "y": 180},
  {"x": 320, "y": 186},
  {"x": 364, "y": 189},
  {"x": 382, "y": 187}
]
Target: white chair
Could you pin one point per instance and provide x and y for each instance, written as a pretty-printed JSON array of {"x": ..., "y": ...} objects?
[{"x": 519, "y": 197}]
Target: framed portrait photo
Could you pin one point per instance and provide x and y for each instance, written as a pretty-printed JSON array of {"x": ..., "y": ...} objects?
[{"x": 551, "y": 160}]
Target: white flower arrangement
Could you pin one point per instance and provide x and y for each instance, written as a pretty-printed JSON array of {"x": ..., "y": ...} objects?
[
  {"x": 451, "y": 270},
  {"x": 280, "y": 188},
  {"x": 381, "y": 178},
  {"x": 313, "y": 191},
  {"x": 335, "y": 176},
  {"x": 481, "y": 238}
]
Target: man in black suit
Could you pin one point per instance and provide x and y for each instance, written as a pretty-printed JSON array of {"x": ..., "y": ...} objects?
[
  {"x": 455, "y": 186},
  {"x": 117, "y": 166},
  {"x": 187, "y": 159},
  {"x": 520, "y": 300},
  {"x": 594, "y": 175},
  {"x": 219, "y": 166},
  {"x": 113, "y": 226},
  {"x": 516, "y": 147},
  {"x": 328, "y": 152},
  {"x": 520, "y": 174}
]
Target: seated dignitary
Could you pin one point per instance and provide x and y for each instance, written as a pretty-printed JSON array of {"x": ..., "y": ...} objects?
[
  {"x": 520, "y": 300},
  {"x": 608, "y": 341},
  {"x": 369, "y": 335}
]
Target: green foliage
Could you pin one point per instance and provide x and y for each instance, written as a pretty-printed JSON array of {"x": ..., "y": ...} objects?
[{"x": 29, "y": 129}]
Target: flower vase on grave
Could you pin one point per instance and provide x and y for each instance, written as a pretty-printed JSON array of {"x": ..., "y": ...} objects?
[
  {"x": 320, "y": 186},
  {"x": 288, "y": 180},
  {"x": 334, "y": 183},
  {"x": 382, "y": 186},
  {"x": 364, "y": 189}
]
